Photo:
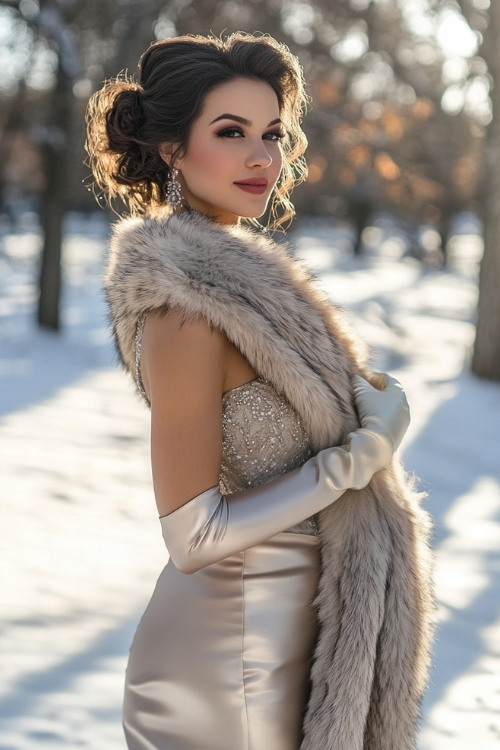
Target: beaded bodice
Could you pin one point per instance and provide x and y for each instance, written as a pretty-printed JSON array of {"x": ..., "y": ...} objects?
[{"x": 262, "y": 438}]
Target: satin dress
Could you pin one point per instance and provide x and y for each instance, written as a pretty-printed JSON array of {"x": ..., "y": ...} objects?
[{"x": 221, "y": 658}]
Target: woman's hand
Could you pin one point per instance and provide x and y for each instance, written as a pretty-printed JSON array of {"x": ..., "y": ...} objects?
[{"x": 385, "y": 412}]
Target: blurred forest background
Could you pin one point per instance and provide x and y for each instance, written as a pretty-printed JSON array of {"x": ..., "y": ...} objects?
[{"x": 404, "y": 116}]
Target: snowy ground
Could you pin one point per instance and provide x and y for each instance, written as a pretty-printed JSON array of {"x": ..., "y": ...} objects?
[{"x": 80, "y": 545}]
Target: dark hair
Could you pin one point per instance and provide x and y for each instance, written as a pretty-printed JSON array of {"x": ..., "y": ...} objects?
[{"x": 127, "y": 121}]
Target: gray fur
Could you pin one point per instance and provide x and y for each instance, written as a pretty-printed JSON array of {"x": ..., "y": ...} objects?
[{"x": 375, "y": 605}]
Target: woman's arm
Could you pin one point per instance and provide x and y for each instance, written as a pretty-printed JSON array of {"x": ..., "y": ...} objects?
[{"x": 183, "y": 368}]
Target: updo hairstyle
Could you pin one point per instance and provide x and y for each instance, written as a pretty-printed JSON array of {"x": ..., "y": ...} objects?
[{"x": 127, "y": 121}]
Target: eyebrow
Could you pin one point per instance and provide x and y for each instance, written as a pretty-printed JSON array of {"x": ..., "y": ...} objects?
[{"x": 242, "y": 120}]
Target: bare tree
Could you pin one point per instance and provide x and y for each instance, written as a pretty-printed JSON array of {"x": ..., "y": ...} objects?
[
  {"x": 486, "y": 357},
  {"x": 54, "y": 141}
]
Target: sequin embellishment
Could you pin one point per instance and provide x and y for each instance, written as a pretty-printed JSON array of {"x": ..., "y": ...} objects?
[
  {"x": 138, "y": 346},
  {"x": 262, "y": 438}
]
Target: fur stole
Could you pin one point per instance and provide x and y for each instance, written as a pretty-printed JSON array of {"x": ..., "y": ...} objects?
[{"x": 374, "y": 598}]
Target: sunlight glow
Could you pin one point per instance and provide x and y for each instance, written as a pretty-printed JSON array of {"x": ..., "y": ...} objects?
[
  {"x": 15, "y": 46},
  {"x": 454, "y": 35},
  {"x": 476, "y": 95},
  {"x": 43, "y": 67},
  {"x": 353, "y": 46},
  {"x": 377, "y": 77},
  {"x": 298, "y": 19},
  {"x": 455, "y": 69},
  {"x": 164, "y": 27},
  {"x": 453, "y": 100},
  {"x": 418, "y": 18}
]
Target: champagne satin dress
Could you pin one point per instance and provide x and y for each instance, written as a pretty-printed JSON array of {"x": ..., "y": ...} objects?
[{"x": 220, "y": 659}]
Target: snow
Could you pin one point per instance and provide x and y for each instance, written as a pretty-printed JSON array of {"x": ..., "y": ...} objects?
[{"x": 81, "y": 546}]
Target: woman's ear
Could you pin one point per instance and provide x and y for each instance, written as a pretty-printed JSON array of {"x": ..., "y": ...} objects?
[{"x": 166, "y": 151}]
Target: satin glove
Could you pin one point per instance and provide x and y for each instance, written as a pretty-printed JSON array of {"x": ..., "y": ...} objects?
[
  {"x": 384, "y": 417},
  {"x": 211, "y": 527},
  {"x": 385, "y": 412}
]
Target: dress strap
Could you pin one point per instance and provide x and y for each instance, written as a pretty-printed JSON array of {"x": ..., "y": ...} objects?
[{"x": 138, "y": 346}]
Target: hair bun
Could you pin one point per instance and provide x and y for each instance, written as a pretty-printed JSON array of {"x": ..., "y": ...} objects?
[{"x": 125, "y": 118}]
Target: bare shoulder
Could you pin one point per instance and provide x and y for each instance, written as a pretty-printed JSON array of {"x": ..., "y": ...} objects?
[
  {"x": 173, "y": 331},
  {"x": 179, "y": 350}
]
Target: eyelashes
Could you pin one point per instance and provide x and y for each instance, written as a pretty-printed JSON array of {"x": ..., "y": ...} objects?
[
  {"x": 275, "y": 135},
  {"x": 234, "y": 132},
  {"x": 230, "y": 133}
]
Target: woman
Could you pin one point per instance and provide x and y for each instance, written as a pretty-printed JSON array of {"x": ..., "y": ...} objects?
[{"x": 251, "y": 379}]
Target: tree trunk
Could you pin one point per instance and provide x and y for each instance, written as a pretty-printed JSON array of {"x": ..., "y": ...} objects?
[
  {"x": 486, "y": 357},
  {"x": 55, "y": 149}
]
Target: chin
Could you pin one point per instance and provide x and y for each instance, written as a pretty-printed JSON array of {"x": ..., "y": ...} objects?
[
  {"x": 228, "y": 214},
  {"x": 256, "y": 213}
]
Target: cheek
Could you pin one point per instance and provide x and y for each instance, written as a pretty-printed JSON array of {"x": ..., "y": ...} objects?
[{"x": 207, "y": 158}]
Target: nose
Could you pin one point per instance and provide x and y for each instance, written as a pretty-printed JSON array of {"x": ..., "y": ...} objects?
[{"x": 259, "y": 155}]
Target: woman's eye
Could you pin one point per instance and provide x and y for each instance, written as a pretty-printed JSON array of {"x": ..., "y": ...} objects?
[
  {"x": 229, "y": 133},
  {"x": 274, "y": 136}
]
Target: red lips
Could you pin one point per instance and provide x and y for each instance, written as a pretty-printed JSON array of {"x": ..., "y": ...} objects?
[{"x": 257, "y": 185}]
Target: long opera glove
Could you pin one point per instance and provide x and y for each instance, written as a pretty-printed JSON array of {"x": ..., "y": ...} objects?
[{"x": 211, "y": 527}]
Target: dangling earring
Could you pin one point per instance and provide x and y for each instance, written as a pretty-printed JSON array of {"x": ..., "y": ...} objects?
[{"x": 173, "y": 193}]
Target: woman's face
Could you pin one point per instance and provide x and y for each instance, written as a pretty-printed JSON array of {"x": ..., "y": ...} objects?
[{"x": 234, "y": 157}]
